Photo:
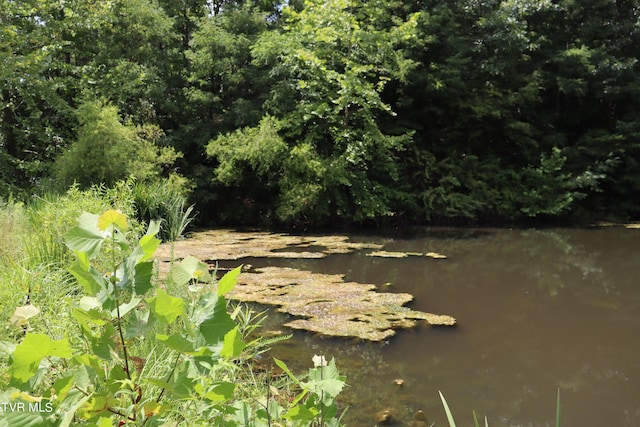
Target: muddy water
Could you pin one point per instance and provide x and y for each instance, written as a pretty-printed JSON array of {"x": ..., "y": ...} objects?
[{"x": 537, "y": 310}]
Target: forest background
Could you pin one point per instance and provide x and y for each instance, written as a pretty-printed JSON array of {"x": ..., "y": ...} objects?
[{"x": 330, "y": 112}]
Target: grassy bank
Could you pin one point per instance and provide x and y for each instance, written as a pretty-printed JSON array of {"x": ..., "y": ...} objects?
[{"x": 93, "y": 337}]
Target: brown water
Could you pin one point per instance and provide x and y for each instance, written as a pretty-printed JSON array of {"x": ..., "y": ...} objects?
[{"x": 537, "y": 310}]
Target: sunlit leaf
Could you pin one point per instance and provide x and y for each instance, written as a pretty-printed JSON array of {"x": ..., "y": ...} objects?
[
  {"x": 220, "y": 392},
  {"x": 28, "y": 354},
  {"x": 112, "y": 217},
  {"x": 86, "y": 236},
  {"x": 22, "y": 315},
  {"x": 452, "y": 422},
  {"x": 176, "y": 342},
  {"x": 228, "y": 281},
  {"x": 301, "y": 412},
  {"x": 233, "y": 344},
  {"x": 189, "y": 269},
  {"x": 165, "y": 307},
  {"x": 149, "y": 243},
  {"x": 217, "y": 322}
]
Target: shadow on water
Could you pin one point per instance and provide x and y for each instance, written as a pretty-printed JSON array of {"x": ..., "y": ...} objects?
[{"x": 537, "y": 310}]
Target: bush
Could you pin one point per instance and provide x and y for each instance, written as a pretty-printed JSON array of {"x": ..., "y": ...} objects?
[{"x": 107, "y": 150}]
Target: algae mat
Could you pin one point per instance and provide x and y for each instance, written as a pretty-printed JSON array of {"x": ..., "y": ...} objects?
[
  {"x": 217, "y": 245},
  {"x": 328, "y": 305},
  {"x": 321, "y": 303}
]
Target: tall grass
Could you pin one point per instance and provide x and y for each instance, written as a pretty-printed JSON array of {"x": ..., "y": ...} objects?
[{"x": 166, "y": 201}]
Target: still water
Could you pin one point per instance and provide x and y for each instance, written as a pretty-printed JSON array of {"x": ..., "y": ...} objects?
[{"x": 537, "y": 311}]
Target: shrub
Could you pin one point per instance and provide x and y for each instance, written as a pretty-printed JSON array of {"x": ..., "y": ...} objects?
[{"x": 107, "y": 150}]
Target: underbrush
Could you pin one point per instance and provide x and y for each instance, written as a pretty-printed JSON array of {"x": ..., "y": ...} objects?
[{"x": 93, "y": 336}]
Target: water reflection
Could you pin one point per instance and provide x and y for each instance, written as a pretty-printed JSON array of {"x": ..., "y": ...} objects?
[{"x": 537, "y": 309}]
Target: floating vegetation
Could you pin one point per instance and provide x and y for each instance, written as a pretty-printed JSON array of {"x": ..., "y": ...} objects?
[
  {"x": 233, "y": 245},
  {"x": 323, "y": 303},
  {"x": 389, "y": 254},
  {"x": 330, "y": 306},
  {"x": 435, "y": 255}
]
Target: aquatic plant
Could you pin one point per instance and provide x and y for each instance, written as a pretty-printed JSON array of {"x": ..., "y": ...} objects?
[{"x": 452, "y": 422}]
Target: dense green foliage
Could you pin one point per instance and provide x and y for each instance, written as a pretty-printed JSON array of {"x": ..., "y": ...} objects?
[
  {"x": 325, "y": 112},
  {"x": 93, "y": 337}
]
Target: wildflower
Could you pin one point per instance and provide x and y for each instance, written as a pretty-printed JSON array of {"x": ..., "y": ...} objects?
[{"x": 319, "y": 361}]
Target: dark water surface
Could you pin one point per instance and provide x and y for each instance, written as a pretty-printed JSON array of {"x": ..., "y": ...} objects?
[{"x": 537, "y": 310}]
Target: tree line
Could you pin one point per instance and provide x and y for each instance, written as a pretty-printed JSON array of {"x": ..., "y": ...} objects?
[{"x": 330, "y": 112}]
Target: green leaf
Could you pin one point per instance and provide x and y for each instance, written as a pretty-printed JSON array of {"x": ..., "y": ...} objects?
[
  {"x": 167, "y": 308},
  {"x": 452, "y": 423},
  {"x": 176, "y": 342},
  {"x": 189, "y": 269},
  {"x": 28, "y": 354},
  {"x": 302, "y": 413},
  {"x": 217, "y": 322},
  {"x": 221, "y": 391},
  {"x": 287, "y": 371},
  {"x": 126, "y": 307},
  {"x": 87, "y": 276},
  {"x": 149, "y": 243},
  {"x": 102, "y": 345},
  {"x": 558, "y": 413},
  {"x": 326, "y": 379},
  {"x": 69, "y": 414},
  {"x": 86, "y": 236},
  {"x": 27, "y": 419},
  {"x": 233, "y": 344},
  {"x": 228, "y": 281},
  {"x": 142, "y": 277}
]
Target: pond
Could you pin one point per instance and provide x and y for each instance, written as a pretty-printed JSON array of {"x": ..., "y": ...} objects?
[{"x": 537, "y": 311}]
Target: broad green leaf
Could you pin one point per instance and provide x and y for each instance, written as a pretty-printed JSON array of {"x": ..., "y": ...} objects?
[
  {"x": 220, "y": 392},
  {"x": 63, "y": 385},
  {"x": 176, "y": 342},
  {"x": 88, "y": 303},
  {"x": 24, "y": 418},
  {"x": 69, "y": 414},
  {"x": 302, "y": 413},
  {"x": 146, "y": 247},
  {"x": 28, "y": 354},
  {"x": 112, "y": 217},
  {"x": 167, "y": 308},
  {"x": 135, "y": 277},
  {"x": 143, "y": 273},
  {"x": 233, "y": 344},
  {"x": 88, "y": 318},
  {"x": 89, "y": 278},
  {"x": 189, "y": 269},
  {"x": 86, "y": 236},
  {"x": 140, "y": 324},
  {"x": 228, "y": 281},
  {"x": 326, "y": 379},
  {"x": 22, "y": 315},
  {"x": 149, "y": 243},
  {"x": 217, "y": 322},
  {"x": 102, "y": 345}
]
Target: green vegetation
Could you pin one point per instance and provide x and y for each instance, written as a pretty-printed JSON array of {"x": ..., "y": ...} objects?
[
  {"x": 95, "y": 339},
  {"x": 330, "y": 112},
  {"x": 452, "y": 422}
]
